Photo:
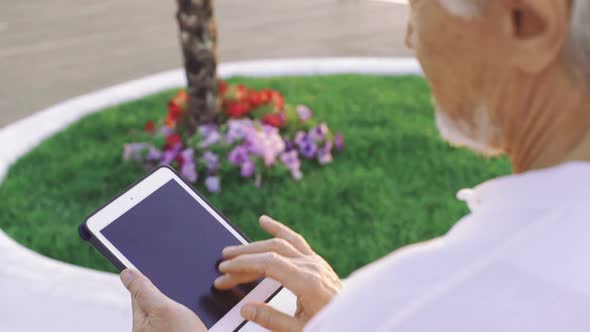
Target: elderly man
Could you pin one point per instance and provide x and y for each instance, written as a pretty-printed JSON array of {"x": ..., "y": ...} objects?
[{"x": 508, "y": 76}]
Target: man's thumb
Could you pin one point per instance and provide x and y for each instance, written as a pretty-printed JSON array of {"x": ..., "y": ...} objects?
[
  {"x": 145, "y": 295},
  {"x": 270, "y": 318}
]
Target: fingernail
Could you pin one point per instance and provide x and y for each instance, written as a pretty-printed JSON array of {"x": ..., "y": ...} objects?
[
  {"x": 223, "y": 265},
  {"x": 219, "y": 280},
  {"x": 248, "y": 312},
  {"x": 264, "y": 218},
  {"x": 127, "y": 276},
  {"x": 227, "y": 250}
]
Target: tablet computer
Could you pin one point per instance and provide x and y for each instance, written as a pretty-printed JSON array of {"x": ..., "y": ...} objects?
[{"x": 164, "y": 228}]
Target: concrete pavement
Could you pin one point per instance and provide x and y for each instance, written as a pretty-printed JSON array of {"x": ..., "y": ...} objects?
[{"x": 54, "y": 50}]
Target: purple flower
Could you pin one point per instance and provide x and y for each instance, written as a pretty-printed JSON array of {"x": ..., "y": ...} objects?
[
  {"x": 211, "y": 160},
  {"x": 325, "y": 154},
  {"x": 236, "y": 130},
  {"x": 308, "y": 148},
  {"x": 300, "y": 137},
  {"x": 170, "y": 155},
  {"x": 289, "y": 145},
  {"x": 188, "y": 168},
  {"x": 339, "y": 141},
  {"x": 165, "y": 131},
  {"x": 238, "y": 155},
  {"x": 207, "y": 129},
  {"x": 248, "y": 168},
  {"x": 304, "y": 113},
  {"x": 291, "y": 159},
  {"x": 134, "y": 151},
  {"x": 154, "y": 154},
  {"x": 210, "y": 135},
  {"x": 270, "y": 130},
  {"x": 266, "y": 143},
  {"x": 319, "y": 133},
  {"x": 213, "y": 184}
]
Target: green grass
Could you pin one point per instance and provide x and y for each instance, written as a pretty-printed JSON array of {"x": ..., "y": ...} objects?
[{"x": 395, "y": 183}]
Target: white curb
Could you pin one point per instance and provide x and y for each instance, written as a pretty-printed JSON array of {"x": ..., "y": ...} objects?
[{"x": 64, "y": 297}]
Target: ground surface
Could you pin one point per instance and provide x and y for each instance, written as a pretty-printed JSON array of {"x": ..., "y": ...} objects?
[
  {"x": 395, "y": 183},
  {"x": 55, "y": 50}
]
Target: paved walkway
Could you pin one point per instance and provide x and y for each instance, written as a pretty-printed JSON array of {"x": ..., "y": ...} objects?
[{"x": 54, "y": 50}]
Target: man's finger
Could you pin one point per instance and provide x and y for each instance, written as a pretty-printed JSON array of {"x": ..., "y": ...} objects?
[
  {"x": 270, "y": 265},
  {"x": 229, "y": 281},
  {"x": 270, "y": 318},
  {"x": 280, "y": 246},
  {"x": 281, "y": 231},
  {"x": 145, "y": 296}
]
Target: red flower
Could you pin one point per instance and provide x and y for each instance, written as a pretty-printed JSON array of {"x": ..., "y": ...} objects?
[
  {"x": 255, "y": 99},
  {"x": 238, "y": 110},
  {"x": 222, "y": 87},
  {"x": 179, "y": 160},
  {"x": 170, "y": 122},
  {"x": 278, "y": 100},
  {"x": 241, "y": 92},
  {"x": 181, "y": 99},
  {"x": 268, "y": 96},
  {"x": 176, "y": 106},
  {"x": 149, "y": 126},
  {"x": 275, "y": 119},
  {"x": 174, "y": 110},
  {"x": 172, "y": 141},
  {"x": 265, "y": 96}
]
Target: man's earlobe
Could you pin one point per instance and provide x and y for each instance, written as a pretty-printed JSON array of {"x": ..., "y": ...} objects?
[{"x": 539, "y": 29}]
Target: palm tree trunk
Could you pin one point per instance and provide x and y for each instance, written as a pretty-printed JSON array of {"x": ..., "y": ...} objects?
[{"x": 198, "y": 39}]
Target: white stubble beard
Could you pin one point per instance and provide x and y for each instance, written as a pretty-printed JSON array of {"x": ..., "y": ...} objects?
[{"x": 477, "y": 137}]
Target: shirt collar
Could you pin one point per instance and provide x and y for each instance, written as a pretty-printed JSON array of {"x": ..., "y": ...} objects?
[{"x": 539, "y": 189}]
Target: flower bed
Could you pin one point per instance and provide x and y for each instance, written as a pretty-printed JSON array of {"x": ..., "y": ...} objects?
[
  {"x": 394, "y": 184},
  {"x": 259, "y": 134}
]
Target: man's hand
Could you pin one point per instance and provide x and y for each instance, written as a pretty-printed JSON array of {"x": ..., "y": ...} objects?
[
  {"x": 289, "y": 260},
  {"x": 154, "y": 311}
]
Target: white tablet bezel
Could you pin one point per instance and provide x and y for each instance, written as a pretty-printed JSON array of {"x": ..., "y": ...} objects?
[{"x": 108, "y": 214}]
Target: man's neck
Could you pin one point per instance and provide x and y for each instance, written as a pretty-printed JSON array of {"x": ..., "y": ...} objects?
[{"x": 552, "y": 125}]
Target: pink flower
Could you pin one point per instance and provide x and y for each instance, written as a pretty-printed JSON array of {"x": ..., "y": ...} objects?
[
  {"x": 266, "y": 143},
  {"x": 325, "y": 154},
  {"x": 297, "y": 175},
  {"x": 304, "y": 113},
  {"x": 319, "y": 133},
  {"x": 236, "y": 129}
]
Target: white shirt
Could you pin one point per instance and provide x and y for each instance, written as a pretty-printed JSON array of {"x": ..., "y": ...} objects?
[{"x": 520, "y": 261}]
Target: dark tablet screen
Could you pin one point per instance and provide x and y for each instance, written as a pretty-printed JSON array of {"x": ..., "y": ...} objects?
[{"x": 177, "y": 244}]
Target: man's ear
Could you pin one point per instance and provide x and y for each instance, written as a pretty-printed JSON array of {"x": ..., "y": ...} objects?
[{"x": 537, "y": 31}]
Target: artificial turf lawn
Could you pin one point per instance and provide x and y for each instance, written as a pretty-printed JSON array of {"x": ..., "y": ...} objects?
[{"x": 394, "y": 184}]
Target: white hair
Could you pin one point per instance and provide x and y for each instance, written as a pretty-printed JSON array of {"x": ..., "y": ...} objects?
[
  {"x": 464, "y": 8},
  {"x": 577, "y": 49}
]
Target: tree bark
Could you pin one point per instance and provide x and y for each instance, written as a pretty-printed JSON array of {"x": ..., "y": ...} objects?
[{"x": 198, "y": 39}]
